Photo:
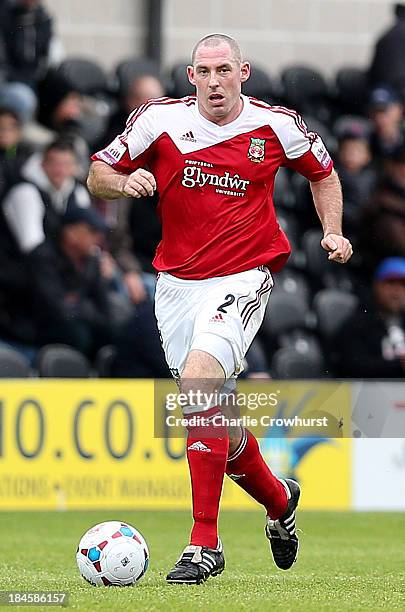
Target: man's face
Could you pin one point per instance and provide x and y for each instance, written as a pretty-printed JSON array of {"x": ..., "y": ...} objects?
[
  {"x": 59, "y": 166},
  {"x": 10, "y": 131},
  {"x": 81, "y": 238},
  {"x": 218, "y": 76},
  {"x": 387, "y": 119},
  {"x": 390, "y": 295},
  {"x": 143, "y": 89}
]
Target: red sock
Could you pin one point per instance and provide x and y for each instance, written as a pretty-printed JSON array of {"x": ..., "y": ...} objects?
[
  {"x": 255, "y": 477},
  {"x": 207, "y": 452}
]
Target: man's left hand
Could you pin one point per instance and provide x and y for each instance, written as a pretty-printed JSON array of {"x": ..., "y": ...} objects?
[{"x": 338, "y": 247}]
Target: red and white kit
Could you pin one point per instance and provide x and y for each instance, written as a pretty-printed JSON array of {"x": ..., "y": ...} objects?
[{"x": 215, "y": 186}]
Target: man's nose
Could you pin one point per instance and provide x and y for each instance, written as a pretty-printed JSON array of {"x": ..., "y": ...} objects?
[{"x": 213, "y": 81}]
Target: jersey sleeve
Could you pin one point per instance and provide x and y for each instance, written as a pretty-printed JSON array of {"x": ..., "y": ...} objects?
[
  {"x": 131, "y": 149},
  {"x": 304, "y": 150}
]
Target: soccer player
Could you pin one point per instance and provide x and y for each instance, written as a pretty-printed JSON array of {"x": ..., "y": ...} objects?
[{"x": 213, "y": 158}]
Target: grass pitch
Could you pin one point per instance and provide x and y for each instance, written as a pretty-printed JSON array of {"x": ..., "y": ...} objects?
[{"x": 347, "y": 562}]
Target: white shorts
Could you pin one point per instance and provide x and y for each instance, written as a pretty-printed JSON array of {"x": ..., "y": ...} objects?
[{"x": 220, "y": 316}]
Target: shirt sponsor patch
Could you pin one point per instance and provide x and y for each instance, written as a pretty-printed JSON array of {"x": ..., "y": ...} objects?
[
  {"x": 114, "y": 152},
  {"x": 320, "y": 152}
]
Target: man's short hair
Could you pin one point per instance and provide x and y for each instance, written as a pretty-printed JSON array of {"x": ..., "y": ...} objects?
[
  {"x": 214, "y": 40},
  {"x": 62, "y": 145}
]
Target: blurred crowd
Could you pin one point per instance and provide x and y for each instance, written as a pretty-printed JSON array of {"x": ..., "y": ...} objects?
[{"x": 76, "y": 271}]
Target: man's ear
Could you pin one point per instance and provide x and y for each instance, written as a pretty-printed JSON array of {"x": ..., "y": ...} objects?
[
  {"x": 244, "y": 71},
  {"x": 190, "y": 74}
]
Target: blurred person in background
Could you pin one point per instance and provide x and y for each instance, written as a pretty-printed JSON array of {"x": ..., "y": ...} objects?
[
  {"x": 386, "y": 112},
  {"x": 70, "y": 295},
  {"x": 61, "y": 115},
  {"x": 137, "y": 229},
  {"x": 388, "y": 65},
  {"x": 372, "y": 342},
  {"x": 48, "y": 188},
  {"x": 26, "y": 31},
  {"x": 383, "y": 217},
  {"x": 13, "y": 154},
  {"x": 137, "y": 92},
  {"x": 357, "y": 176}
]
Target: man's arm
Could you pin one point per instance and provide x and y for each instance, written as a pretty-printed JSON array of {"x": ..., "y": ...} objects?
[
  {"x": 106, "y": 182},
  {"x": 327, "y": 195}
]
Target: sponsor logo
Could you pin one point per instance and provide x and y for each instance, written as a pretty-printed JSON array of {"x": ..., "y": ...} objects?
[
  {"x": 232, "y": 184},
  {"x": 124, "y": 561},
  {"x": 320, "y": 152},
  {"x": 199, "y": 446},
  {"x": 188, "y": 137},
  {"x": 256, "y": 150},
  {"x": 236, "y": 476}
]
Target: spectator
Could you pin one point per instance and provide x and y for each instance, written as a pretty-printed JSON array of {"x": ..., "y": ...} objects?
[
  {"x": 71, "y": 301},
  {"x": 383, "y": 217},
  {"x": 61, "y": 115},
  {"x": 372, "y": 341},
  {"x": 13, "y": 154},
  {"x": 48, "y": 189},
  {"x": 386, "y": 114},
  {"x": 137, "y": 226},
  {"x": 27, "y": 33},
  {"x": 388, "y": 64},
  {"x": 138, "y": 91},
  {"x": 356, "y": 174}
]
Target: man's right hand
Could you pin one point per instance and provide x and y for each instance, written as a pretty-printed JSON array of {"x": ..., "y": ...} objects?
[{"x": 139, "y": 184}]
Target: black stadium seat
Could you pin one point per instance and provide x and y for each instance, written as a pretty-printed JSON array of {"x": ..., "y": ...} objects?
[
  {"x": 259, "y": 85},
  {"x": 86, "y": 76},
  {"x": 351, "y": 90},
  {"x": 61, "y": 361},
  {"x": 13, "y": 364},
  {"x": 286, "y": 312},
  {"x": 333, "y": 308},
  {"x": 180, "y": 85},
  {"x": 130, "y": 69},
  {"x": 287, "y": 363},
  {"x": 305, "y": 90}
]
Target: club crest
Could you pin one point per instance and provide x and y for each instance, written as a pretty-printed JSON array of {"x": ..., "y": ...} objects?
[{"x": 256, "y": 150}]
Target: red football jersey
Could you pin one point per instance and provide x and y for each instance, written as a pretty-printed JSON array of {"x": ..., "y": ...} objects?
[{"x": 216, "y": 182}]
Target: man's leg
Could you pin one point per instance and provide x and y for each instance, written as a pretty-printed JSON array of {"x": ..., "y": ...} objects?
[
  {"x": 207, "y": 453},
  {"x": 248, "y": 469}
]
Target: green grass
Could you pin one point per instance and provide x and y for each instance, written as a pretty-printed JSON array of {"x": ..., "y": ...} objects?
[{"x": 347, "y": 562}]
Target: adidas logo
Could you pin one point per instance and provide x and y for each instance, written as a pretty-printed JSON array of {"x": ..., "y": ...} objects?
[
  {"x": 218, "y": 318},
  {"x": 188, "y": 137},
  {"x": 199, "y": 446}
]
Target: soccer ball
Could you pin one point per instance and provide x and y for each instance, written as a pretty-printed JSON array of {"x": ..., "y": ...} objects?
[{"x": 112, "y": 553}]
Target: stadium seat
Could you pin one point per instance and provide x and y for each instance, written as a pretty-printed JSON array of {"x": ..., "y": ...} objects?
[
  {"x": 351, "y": 90},
  {"x": 85, "y": 75},
  {"x": 284, "y": 195},
  {"x": 333, "y": 308},
  {"x": 13, "y": 364},
  {"x": 288, "y": 363},
  {"x": 104, "y": 360},
  {"x": 285, "y": 312},
  {"x": 61, "y": 361},
  {"x": 259, "y": 85},
  {"x": 306, "y": 90},
  {"x": 291, "y": 282},
  {"x": 316, "y": 257},
  {"x": 180, "y": 85},
  {"x": 132, "y": 68}
]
